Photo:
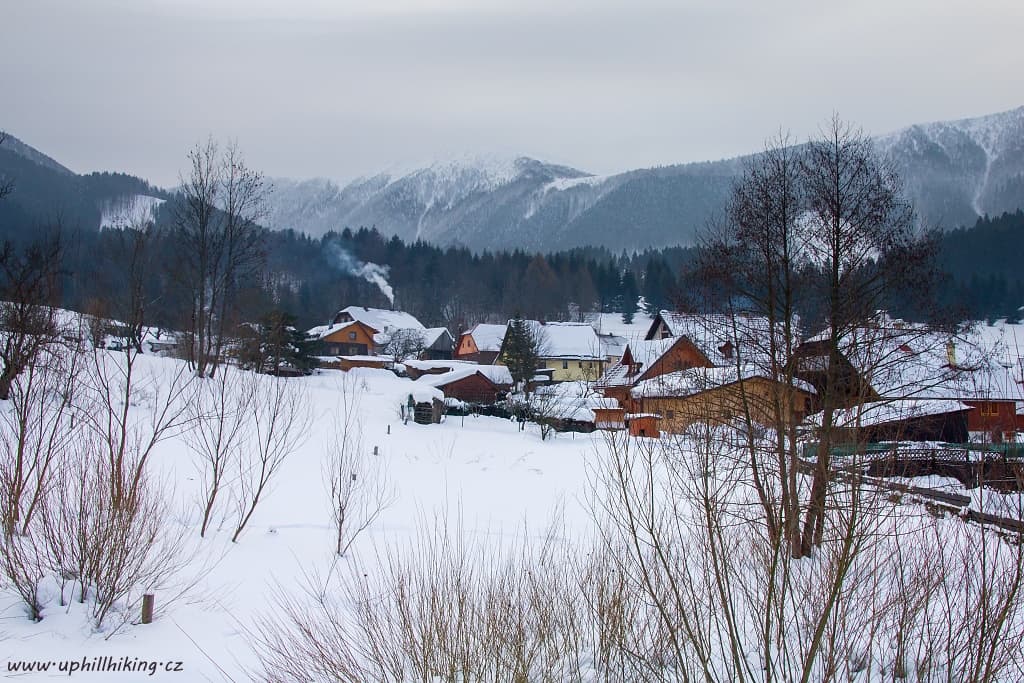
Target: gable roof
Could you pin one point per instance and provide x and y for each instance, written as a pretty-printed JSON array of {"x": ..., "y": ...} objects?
[
  {"x": 487, "y": 337},
  {"x": 495, "y": 374},
  {"x": 715, "y": 334},
  {"x": 380, "y": 319},
  {"x": 575, "y": 341},
  {"x": 642, "y": 354},
  {"x": 905, "y": 360},
  {"x": 322, "y": 331},
  {"x": 433, "y": 335}
]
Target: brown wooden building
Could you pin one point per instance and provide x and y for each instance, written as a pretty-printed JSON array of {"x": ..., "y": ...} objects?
[
  {"x": 346, "y": 339},
  {"x": 467, "y": 384},
  {"x": 480, "y": 344},
  {"x": 715, "y": 396}
]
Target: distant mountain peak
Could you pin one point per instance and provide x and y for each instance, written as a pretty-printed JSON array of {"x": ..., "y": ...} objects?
[
  {"x": 954, "y": 171},
  {"x": 15, "y": 145}
]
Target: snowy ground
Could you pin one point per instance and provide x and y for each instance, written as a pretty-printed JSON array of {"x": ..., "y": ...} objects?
[{"x": 479, "y": 472}]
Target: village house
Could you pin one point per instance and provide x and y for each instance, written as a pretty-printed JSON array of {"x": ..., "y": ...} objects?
[
  {"x": 350, "y": 338},
  {"x": 897, "y": 380},
  {"x": 481, "y": 344},
  {"x": 717, "y": 395},
  {"x": 702, "y": 368},
  {"x": 359, "y": 331},
  {"x": 438, "y": 344},
  {"x": 568, "y": 352}
]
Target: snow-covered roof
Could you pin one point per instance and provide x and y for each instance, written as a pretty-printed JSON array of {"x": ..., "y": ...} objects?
[
  {"x": 572, "y": 341},
  {"x": 487, "y": 337},
  {"x": 321, "y": 331},
  {"x": 601, "y": 403},
  {"x": 711, "y": 333},
  {"x": 612, "y": 344},
  {"x": 695, "y": 380},
  {"x": 381, "y": 319},
  {"x": 885, "y": 412},
  {"x": 432, "y": 334},
  {"x": 434, "y": 364},
  {"x": 497, "y": 374},
  {"x": 645, "y": 353},
  {"x": 904, "y": 360}
]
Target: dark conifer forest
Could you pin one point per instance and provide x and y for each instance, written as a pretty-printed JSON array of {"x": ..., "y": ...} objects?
[{"x": 979, "y": 266}]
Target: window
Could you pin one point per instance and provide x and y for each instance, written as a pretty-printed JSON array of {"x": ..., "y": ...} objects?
[
  {"x": 990, "y": 409},
  {"x": 352, "y": 336},
  {"x": 670, "y": 414},
  {"x": 565, "y": 365},
  {"x": 581, "y": 365}
]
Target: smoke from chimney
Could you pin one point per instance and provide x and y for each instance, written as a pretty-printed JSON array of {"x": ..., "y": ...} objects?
[{"x": 371, "y": 272}]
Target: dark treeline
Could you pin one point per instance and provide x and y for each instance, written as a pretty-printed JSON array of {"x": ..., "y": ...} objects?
[
  {"x": 312, "y": 278},
  {"x": 983, "y": 267}
]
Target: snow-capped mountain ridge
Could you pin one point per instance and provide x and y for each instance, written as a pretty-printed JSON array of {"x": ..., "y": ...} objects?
[
  {"x": 953, "y": 171},
  {"x": 968, "y": 167}
]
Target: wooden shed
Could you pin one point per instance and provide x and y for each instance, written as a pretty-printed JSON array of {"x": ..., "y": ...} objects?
[
  {"x": 644, "y": 424},
  {"x": 468, "y": 384}
]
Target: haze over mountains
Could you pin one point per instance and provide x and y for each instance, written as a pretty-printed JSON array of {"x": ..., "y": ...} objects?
[{"x": 954, "y": 171}]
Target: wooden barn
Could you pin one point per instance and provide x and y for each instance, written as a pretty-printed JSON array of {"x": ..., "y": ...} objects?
[{"x": 472, "y": 384}]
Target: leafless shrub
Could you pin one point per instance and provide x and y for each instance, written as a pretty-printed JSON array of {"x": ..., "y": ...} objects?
[
  {"x": 441, "y": 611},
  {"x": 24, "y": 566},
  {"x": 114, "y": 548},
  {"x": 36, "y": 427},
  {"x": 116, "y": 385}
]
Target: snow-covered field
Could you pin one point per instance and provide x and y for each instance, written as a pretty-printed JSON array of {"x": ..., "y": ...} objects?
[
  {"x": 493, "y": 483},
  {"x": 479, "y": 472}
]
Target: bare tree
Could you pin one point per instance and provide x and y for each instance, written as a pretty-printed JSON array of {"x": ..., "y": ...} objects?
[
  {"x": 220, "y": 244},
  {"x": 115, "y": 381},
  {"x": 220, "y": 418},
  {"x": 36, "y": 432},
  {"x": 359, "y": 488},
  {"x": 860, "y": 236},
  {"x": 404, "y": 344},
  {"x": 130, "y": 257},
  {"x": 755, "y": 256},
  {"x": 279, "y": 424}
]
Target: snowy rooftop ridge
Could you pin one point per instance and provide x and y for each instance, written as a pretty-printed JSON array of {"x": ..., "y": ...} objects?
[
  {"x": 487, "y": 337},
  {"x": 382, "y": 319}
]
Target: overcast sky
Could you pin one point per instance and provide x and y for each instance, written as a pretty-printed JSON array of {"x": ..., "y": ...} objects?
[{"x": 341, "y": 89}]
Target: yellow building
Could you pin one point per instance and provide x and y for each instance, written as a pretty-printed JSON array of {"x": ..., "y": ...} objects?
[{"x": 570, "y": 352}]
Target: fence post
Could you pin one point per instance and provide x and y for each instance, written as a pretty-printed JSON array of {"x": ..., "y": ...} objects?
[{"x": 147, "y": 608}]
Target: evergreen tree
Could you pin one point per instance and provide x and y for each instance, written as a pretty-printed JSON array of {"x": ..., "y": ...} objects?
[
  {"x": 521, "y": 350},
  {"x": 630, "y": 292},
  {"x": 274, "y": 345}
]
